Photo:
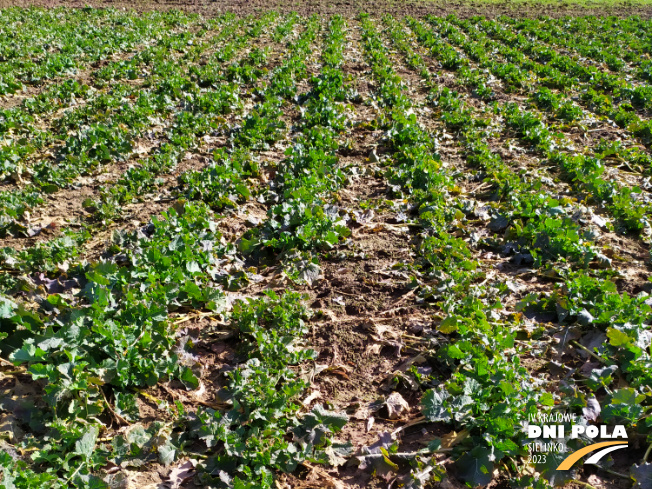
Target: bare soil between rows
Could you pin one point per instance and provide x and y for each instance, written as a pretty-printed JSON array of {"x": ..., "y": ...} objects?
[
  {"x": 352, "y": 7},
  {"x": 366, "y": 315}
]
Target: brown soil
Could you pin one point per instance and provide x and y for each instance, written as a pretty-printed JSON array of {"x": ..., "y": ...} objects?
[
  {"x": 353, "y": 7},
  {"x": 65, "y": 207},
  {"x": 367, "y": 326},
  {"x": 630, "y": 258},
  {"x": 10, "y": 101},
  {"x": 83, "y": 75},
  {"x": 362, "y": 309}
]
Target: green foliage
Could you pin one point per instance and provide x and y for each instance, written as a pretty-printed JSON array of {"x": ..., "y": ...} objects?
[
  {"x": 94, "y": 335},
  {"x": 222, "y": 184},
  {"x": 264, "y": 430}
]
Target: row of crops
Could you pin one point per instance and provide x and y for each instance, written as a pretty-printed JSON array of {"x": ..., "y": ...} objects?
[{"x": 512, "y": 154}]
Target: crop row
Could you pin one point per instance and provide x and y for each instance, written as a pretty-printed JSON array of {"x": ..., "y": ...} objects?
[
  {"x": 603, "y": 93},
  {"x": 607, "y": 40},
  {"x": 100, "y": 337},
  {"x": 128, "y": 339},
  {"x": 106, "y": 127},
  {"x": 114, "y": 307},
  {"x": 542, "y": 232},
  {"x": 474, "y": 348},
  {"x": 183, "y": 135},
  {"x": 40, "y": 45},
  {"x": 585, "y": 174}
]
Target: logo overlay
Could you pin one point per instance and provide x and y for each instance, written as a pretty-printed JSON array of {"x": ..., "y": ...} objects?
[{"x": 544, "y": 427}]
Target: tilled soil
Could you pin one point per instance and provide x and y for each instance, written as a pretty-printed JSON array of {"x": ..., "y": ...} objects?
[
  {"x": 352, "y": 7},
  {"x": 367, "y": 325}
]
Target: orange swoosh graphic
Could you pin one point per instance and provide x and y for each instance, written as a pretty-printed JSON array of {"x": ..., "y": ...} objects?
[{"x": 574, "y": 457}]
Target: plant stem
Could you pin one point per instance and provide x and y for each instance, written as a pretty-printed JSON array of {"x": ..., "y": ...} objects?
[
  {"x": 613, "y": 472},
  {"x": 647, "y": 454},
  {"x": 407, "y": 454},
  {"x": 196, "y": 455},
  {"x": 583, "y": 484},
  {"x": 594, "y": 355},
  {"x": 75, "y": 472}
]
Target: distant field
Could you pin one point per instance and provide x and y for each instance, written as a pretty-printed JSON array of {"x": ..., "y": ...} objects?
[
  {"x": 490, "y": 8},
  {"x": 324, "y": 248}
]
